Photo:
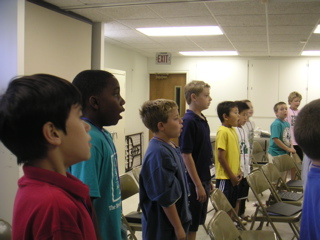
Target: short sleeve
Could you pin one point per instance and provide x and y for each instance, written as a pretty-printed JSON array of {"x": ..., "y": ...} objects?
[
  {"x": 187, "y": 136},
  {"x": 276, "y": 131},
  {"x": 221, "y": 141}
]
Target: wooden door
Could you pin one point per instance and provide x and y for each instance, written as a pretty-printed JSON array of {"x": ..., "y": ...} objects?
[{"x": 169, "y": 86}]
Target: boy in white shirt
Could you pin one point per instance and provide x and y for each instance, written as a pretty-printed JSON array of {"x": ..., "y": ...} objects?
[{"x": 243, "y": 187}]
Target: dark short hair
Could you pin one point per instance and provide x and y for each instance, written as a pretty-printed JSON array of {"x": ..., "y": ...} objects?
[
  {"x": 225, "y": 108},
  {"x": 91, "y": 83},
  {"x": 307, "y": 129},
  {"x": 242, "y": 106},
  {"x": 155, "y": 111},
  {"x": 28, "y": 103},
  {"x": 276, "y": 106}
]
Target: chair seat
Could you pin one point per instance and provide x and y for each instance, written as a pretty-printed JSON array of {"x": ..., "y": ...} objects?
[
  {"x": 134, "y": 217},
  {"x": 294, "y": 183},
  {"x": 294, "y": 218},
  {"x": 260, "y": 235}
]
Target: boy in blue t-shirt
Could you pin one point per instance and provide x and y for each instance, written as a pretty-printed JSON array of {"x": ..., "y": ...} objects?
[
  {"x": 102, "y": 105},
  {"x": 280, "y": 139},
  {"x": 307, "y": 134},
  {"x": 163, "y": 188}
]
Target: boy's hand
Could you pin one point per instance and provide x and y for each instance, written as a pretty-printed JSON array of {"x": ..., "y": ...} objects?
[
  {"x": 235, "y": 180},
  {"x": 201, "y": 194},
  {"x": 180, "y": 234},
  {"x": 292, "y": 150},
  {"x": 212, "y": 187}
]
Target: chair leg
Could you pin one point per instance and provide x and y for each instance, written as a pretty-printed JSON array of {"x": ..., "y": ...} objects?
[{"x": 260, "y": 226}]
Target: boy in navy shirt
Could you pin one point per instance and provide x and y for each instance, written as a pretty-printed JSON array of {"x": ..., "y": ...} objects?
[
  {"x": 163, "y": 187},
  {"x": 197, "y": 152}
]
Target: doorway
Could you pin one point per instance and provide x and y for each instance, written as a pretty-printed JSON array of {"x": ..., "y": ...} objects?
[{"x": 169, "y": 86}]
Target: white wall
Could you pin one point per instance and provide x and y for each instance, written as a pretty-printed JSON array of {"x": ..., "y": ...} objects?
[
  {"x": 56, "y": 44},
  {"x": 137, "y": 85},
  {"x": 265, "y": 81},
  {"x": 34, "y": 39},
  {"x": 11, "y": 65}
]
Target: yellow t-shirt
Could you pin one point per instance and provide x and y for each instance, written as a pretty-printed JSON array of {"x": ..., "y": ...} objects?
[{"x": 227, "y": 139}]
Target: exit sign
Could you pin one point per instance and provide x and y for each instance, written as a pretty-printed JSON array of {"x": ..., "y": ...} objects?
[{"x": 163, "y": 58}]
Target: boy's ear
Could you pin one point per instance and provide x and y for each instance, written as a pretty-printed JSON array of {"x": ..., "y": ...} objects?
[
  {"x": 225, "y": 117},
  {"x": 51, "y": 134},
  {"x": 193, "y": 97},
  {"x": 160, "y": 126},
  {"x": 94, "y": 102}
]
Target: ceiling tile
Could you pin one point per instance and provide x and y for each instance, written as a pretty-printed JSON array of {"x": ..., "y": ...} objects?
[
  {"x": 192, "y": 21},
  {"x": 290, "y": 30},
  {"x": 241, "y": 21},
  {"x": 236, "y": 7},
  {"x": 289, "y": 7},
  {"x": 132, "y": 12},
  {"x": 180, "y": 9},
  {"x": 140, "y": 23},
  {"x": 293, "y": 20}
]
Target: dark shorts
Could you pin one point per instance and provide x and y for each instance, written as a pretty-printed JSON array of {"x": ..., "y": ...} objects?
[
  {"x": 198, "y": 210},
  {"x": 243, "y": 189},
  {"x": 231, "y": 192}
]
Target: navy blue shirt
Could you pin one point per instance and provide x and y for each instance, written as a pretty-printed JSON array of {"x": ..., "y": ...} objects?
[
  {"x": 162, "y": 183},
  {"x": 195, "y": 139}
]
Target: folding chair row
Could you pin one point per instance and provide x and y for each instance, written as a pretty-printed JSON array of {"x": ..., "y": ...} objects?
[
  {"x": 275, "y": 180},
  {"x": 221, "y": 227},
  {"x": 132, "y": 220},
  {"x": 285, "y": 163},
  {"x": 259, "y": 157},
  {"x": 275, "y": 211}
]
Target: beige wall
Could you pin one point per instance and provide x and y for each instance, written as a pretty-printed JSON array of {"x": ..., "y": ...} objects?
[{"x": 55, "y": 43}]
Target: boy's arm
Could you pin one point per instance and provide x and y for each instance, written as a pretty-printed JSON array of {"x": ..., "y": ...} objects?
[
  {"x": 281, "y": 145},
  {"x": 175, "y": 221},
  {"x": 235, "y": 180},
  {"x": 191, "y": 167},
  {"x": 95, "y": 221}
]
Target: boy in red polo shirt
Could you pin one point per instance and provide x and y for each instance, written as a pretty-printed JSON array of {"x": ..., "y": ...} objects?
[{"x": 40, "y": 123}]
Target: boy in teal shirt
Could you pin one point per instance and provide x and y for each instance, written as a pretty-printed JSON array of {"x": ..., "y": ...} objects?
[{"x": 102, "y": 105}]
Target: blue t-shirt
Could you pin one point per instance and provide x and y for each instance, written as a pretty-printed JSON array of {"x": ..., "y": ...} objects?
[
  {"x": 100, "y": 173},
  {"x": 281, "y": 130},
  {"x": 310, "y": 224},
  {"x": 195, "y": 139},
  {"x": 162, "y": 183}
]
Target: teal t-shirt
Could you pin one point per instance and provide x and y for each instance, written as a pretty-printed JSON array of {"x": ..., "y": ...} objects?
[
  {"x": 279, "y": 129},
  {"x": 100, "y": 173}
]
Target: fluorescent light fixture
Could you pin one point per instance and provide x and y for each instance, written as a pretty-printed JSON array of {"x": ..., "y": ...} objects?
[
  {"x": 181, "y": 31},
  {"x": 210, "y": 53},
  {"x": 310, "y": 53},
  {"x": 317, "y": 30}
]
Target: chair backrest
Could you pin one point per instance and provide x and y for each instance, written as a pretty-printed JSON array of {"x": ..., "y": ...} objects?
[
  {"x": 283, "y": 162},
  {"x": 221, "y": 203},
  {"x": 128, "y": 186},
  {"x": 136, "y": 172},
  {"x": 274, "y": 176},
  {"x": 256, "y": 148},
  {"x": 5, "y": 230},
  {"x": 221, "y": 227},
  {"x": 257, "y": 182}
]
